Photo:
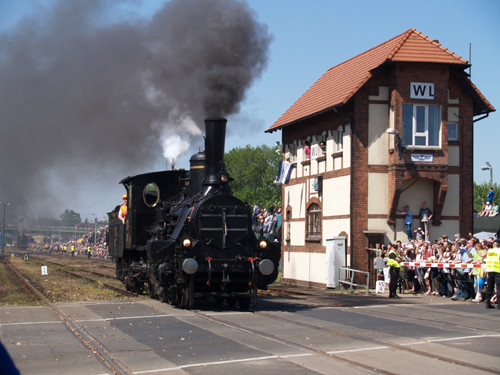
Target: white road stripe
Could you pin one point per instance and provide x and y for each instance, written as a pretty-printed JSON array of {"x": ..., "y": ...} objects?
[{"x": 223, "y": 362}]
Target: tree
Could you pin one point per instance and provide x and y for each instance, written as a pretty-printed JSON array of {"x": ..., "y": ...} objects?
[
  {"x": 480, "y": 193},
  {"x": 70, "y": 218},
  {"x": 253, "y": 171}
]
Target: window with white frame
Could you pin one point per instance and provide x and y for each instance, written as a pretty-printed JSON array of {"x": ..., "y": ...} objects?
[
  {"x": 421, "y": 125},
  {"x": 340, "y": 138},
  {"x": 452, "y": 131}
]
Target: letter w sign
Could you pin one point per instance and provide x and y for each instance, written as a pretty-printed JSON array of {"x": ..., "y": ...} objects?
[{"x": 422, "y": 90}]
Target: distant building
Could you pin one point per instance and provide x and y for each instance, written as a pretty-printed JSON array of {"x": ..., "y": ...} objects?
[{"x": 357, "y": 188}]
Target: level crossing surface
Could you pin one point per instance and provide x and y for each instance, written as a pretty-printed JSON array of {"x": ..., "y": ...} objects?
[{"x": 320, "y": 333}]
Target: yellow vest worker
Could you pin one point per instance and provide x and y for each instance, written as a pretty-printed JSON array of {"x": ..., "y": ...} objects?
[
  {"x": 394, "y": 266},
  {"x": 493, "y": 274}
]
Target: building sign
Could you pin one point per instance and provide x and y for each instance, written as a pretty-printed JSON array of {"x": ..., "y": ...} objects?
[
  {"x": 422, "y": 90},
  {"x": 422, "y": 158}
]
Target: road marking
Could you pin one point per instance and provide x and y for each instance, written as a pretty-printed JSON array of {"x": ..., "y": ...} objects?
[
  {"x": 125, "y": 318},
  {"x": 357, "y": 350},
  {"x": 28, "y": 323},
  {"x": 449, "y": 339},
  {"x": 223, "y": 362}
]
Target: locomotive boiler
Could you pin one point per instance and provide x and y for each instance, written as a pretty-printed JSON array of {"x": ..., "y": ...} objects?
[{"x": 186, "y": 236}]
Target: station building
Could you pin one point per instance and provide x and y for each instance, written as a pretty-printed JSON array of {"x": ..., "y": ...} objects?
[{"x": 397, "y": 122}]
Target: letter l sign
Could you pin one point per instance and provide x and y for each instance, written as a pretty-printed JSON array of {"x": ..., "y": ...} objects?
[{"x": 422, "y": 90}]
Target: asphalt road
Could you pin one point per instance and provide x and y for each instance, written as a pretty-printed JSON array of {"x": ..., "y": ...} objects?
[{"x": 325, "y": 333}]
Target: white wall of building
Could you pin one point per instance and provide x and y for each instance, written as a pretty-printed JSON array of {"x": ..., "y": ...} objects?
[
  {"x": 454, "y": 156},
  {"x": 378, "y": 194},
  {"x": 337, "y": 196},
  {"x": 378, "y": 120},
  {"x": 333, "y": 228},
  {"x": 415, "y": 192},
  {"x": 295, "y": 196},
  {"x": 452, "y": 201}
]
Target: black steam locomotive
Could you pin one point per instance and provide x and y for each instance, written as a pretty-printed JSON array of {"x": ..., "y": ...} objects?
[{"x": 186, "y": 236}]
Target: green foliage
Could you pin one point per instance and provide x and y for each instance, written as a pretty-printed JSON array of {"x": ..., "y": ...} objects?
[
  {"x": 70, "y": 218},
  {"x": 253, "y": 171},
  {"x": 480, "y": 193}
]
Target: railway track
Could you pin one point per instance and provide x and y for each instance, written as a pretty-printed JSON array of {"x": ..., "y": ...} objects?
[
  {"x": 81, "y": 274},
  {"x": 96, "y": 347},
  {"x": 85, "y": 267},
  {"x": 332, "y": 355}
]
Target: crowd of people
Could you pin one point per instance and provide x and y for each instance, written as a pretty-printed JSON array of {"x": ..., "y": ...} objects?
[
  {"x": 459, "y": 284},
  {"x": 82, "y": 246},
  {"x": 489, "y": 209},
  {"x": 266, "y": 222}
]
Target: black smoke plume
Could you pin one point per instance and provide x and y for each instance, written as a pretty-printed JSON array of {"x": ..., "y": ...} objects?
[{"x": 90, "y": 93}]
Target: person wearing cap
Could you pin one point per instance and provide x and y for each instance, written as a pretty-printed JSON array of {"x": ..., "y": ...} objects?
[
  {"x": 122, "y": 213},
  {"x": 493, "y": 274},
  {"x": 419, "y": 234}
]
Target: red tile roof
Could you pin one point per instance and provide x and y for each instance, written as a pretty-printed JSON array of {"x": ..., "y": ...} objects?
[{"x": 338, "y": 85}]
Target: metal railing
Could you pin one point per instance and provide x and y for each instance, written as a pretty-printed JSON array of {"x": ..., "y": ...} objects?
[{"x": 350, "y": 273}]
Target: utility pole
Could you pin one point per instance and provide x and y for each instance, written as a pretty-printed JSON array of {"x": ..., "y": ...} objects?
[{"x": 3, "y": 226}]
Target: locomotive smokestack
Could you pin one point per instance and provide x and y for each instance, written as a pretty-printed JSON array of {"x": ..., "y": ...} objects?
[{"x": 215, "y": 135}]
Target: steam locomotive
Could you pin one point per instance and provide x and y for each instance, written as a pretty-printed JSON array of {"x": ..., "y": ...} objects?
[{"x": 186, "y": 236}]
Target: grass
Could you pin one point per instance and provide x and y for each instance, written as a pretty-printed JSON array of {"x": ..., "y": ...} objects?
[
  {"x": 13, "y": 291},
  {"x": 57, "y": 286}
]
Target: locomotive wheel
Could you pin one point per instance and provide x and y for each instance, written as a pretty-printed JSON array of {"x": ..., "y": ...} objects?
[
  {"x": 172, "y": 296},
  {"x": 186, "y": 295},
  {"x": 244, "y": 302}
]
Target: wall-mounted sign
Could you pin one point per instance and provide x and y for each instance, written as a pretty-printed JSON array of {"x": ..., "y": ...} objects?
[
  {"x": 422, "y": 158},
  {"x": 422, "y": 90}
]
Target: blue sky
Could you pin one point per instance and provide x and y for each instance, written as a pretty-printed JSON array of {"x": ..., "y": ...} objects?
[{"x": 311, "y": 36}]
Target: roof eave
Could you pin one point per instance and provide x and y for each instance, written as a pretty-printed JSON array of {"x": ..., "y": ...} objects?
[{"x": 294, "y": 122}]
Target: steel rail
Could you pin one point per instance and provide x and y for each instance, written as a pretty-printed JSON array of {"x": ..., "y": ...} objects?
[
  {"x": 90, "y": 342},
  {"x": 107, "y": 286},
  {"x": 39, "y": 260},
  {"x": 383, "y": 343},
  {"x": 296, "y": 345}
]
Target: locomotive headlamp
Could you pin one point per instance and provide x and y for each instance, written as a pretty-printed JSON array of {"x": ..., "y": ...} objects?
[
  {"x": 262, "y": 244},
  {"x": 186, "y": 242},
  {"x": 266, "y": 267},
  {"x": 223, "y": 178},
  {"x": 190, "y": 266}
]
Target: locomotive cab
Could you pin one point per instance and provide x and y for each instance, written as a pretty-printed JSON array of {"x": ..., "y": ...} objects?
[{"x": 127, "y": 242}]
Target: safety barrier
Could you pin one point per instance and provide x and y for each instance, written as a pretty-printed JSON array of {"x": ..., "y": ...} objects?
[
  {"x": 442, "y": 265},
  {"x": 350, "y": 274}
]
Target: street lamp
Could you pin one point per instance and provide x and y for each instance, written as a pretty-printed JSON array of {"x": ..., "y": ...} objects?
[
  {"x": 3, "y": 226},
  {"x": 398, "y": 138},
  {"x": 490, "y": 168}
]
